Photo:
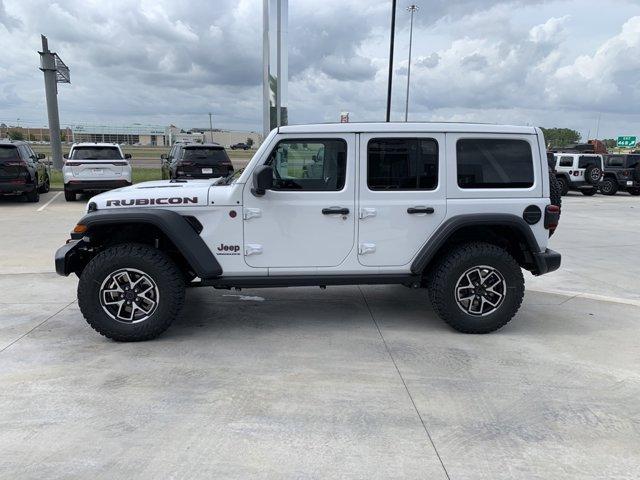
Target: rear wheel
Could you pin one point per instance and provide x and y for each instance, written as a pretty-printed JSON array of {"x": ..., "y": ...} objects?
[
  {"x": 477, "y": 288},
  {"x": 589, "y": 192},
  {"x": 69, "y": 196},
  {"x": 609, "y": 186},
  {"x": 564, "y": 185},
  {"x": 131, "y": 292},
  {"x": 34, "y": 195}
]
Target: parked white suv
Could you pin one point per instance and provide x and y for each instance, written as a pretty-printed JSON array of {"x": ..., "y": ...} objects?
[
  {"x": 457, "y": 208},
  {"x": 581, "y": 172},
  {"x": 95, "y": 167}
]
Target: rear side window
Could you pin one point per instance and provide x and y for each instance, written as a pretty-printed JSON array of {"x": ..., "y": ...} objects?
[
  {"x": 494, "y": 163},
  {"x": 615, "y": 161},
  {"x": 206, "y": 155},
  {"x": 566, "y": 161},
  {"x": 402, "y": 164},
  {"x": 96, "y": 153},
  {"x": 312, "y": 165},
  {"x": 8, "y": 153},
  {"x": 584, "y": 161},
  {"x": 632, "y": 161}
]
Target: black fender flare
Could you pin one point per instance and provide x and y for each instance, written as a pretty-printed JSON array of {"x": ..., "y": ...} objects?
[
  {"x": 452, "y": 225},
  {"x": 176, "y": 227},
  {"x": 566, "y": 176}
]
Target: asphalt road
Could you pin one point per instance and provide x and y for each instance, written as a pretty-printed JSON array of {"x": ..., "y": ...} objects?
[{"x": 344, "y": 383}]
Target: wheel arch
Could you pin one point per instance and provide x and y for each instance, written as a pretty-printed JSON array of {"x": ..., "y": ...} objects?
[
  {"x": 504, "y": 230},
  {"x": 167, "y": 230}
]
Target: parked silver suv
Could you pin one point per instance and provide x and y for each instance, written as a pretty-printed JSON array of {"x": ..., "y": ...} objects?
[{"x": 95, "y": 167}]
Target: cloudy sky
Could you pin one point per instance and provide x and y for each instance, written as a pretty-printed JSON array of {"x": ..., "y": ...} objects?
[{"x": 551, "y": 63}]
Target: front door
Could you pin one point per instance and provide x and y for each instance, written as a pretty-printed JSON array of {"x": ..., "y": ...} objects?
[
  {"x": 308, "y": 218},
  {"x": 402, "y": 195}
]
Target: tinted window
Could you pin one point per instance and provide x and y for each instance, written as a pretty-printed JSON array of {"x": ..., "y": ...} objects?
[
  {"x": 632, "y": 161},
  {"x": 566, "y": 161},
  {"x": 402, "y": 164},
  {"x": 95, "y": 153},
  {"x": 206, "y": 155},
  {"x": 314, "y": 165},
  {"x": 584, "y": 161},
  {"x": 494, "y": 163},
  {"x": 615, "y": 161},
  {"x": 8, "y": 153}
]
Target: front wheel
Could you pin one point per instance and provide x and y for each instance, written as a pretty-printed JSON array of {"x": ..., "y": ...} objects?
[
  {"x": 634, "y": 191},
  {"x": 131, "y": 292},
  {"x": 477, "y": 288}
]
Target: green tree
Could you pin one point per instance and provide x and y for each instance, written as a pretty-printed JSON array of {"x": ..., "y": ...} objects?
[
  {"x": 560, "y": 137},
  {"x": 249, "y": 142},
  {"x": 63, "y": 136},
  {"x": 16, "y": 135},
  {"x": 610, "y": 143}
]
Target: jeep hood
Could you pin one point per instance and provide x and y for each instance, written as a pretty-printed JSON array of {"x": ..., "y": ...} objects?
[{"x": 161, "y": 193}]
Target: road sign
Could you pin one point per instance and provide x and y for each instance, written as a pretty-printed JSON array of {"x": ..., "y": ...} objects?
[{"x": 627, "y": 142}]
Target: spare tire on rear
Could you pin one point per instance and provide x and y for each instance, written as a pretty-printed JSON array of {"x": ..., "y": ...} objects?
[
  {"x": 593, "y": 174},
  {"x": 555, "y": 190}
]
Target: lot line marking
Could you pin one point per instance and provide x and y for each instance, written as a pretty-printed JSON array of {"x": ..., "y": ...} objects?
[
  {"x": 37, "y": 326},
  {"x": 589, "y": 296},
  {"x": 386, "y": 346},
  {"x": 49, "y": 202}
]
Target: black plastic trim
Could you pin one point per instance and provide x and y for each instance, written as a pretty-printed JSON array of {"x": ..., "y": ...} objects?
[
  {"x": 547, "y": 261},
  {"x": 172, "y": 224},
  {"x": 310, "y": 280},
  {"x": 454, "y": 224}
]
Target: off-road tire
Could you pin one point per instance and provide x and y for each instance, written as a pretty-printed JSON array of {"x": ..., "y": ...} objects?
[
  {"x": 564, "y": 185},
  {"x": 444, "y": 277},
  {"x": 34, "y": 195},
  {"x": 589, "y": 192},
  {"x": 609, "y": 186},
  {"x": 69, "y": 196},
  {"x": 154, "y": 263},
  {"x": 555, "y": 190},
  {"x": 46, "y": 186}
]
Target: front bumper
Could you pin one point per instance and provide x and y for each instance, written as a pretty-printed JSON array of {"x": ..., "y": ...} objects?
[
  {"x": 95, "y": 185},
  {"x": 67, "y": 257},
  {"x": 547, "y": 261}
]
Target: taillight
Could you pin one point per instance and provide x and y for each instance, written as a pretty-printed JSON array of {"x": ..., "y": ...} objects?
[
  {"x": 626, "y": 173},
  {"x": 551, "y": 217},
  {"x": 187, "y": 164}
]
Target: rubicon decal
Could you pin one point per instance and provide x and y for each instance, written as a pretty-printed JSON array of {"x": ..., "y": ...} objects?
[
  {"x": 152, "y": 201},
  {"x": 228, "y": 249}
]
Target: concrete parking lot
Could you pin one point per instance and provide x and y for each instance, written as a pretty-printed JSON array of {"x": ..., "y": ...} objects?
[{"x": 344, "y": 383}]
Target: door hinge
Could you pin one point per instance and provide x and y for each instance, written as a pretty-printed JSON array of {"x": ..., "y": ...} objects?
[
  {"x": 365, "y": 248},
  {"x": 251, "y": 213},
  {"x": 252, "y": 249},
  {"x": 367, "y": 212}
]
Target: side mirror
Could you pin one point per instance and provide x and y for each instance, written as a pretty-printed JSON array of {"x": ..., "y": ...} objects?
[
  {"x": 164, "y": 156},
  {"x": 40, "y": 156},
  {"x": 262, "y": 180},
  {"x": 127, "y": 156},
  {"x": 66, "y": 155}
]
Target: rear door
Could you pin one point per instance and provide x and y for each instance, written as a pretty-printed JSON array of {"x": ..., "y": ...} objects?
[
  {"x": 10, "y": 163},
  {"x": 96, "y": 162},
  {"x": 402, "y": 195}
]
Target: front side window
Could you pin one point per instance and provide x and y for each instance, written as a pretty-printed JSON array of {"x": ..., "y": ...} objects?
[
  {"x": 494, "y": 163},
  {"x": 617, "y": 161},
  {"x": 96, "y": 153},
  {"x": 402, "y": 164},
  {"x": 566, "y": 161},
  {"x": 311, "y": 164}
]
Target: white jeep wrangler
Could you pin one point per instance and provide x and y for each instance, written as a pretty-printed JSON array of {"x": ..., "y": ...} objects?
[
  {"x": 580, "y": 172},
  {"x": 458, "y": 209}
]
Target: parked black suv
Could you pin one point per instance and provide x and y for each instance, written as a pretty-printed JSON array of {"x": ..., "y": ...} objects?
[
  {"x": 196, "y": 160},
  {"x": 621, "y": 172},
  {"x": 22, "y": 172}
]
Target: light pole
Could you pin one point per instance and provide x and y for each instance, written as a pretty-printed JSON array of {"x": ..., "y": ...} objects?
[
  {"x": 391, "y": 46},
  {"x": 211, "y": 127},
  {"x": 411, "y": 9}
]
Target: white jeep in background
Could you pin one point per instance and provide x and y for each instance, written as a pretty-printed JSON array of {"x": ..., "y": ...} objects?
[
  {"x": 580, "y": 172},
  {"x": 458, "y": 209},
  {"x": 95, "y": 167}
]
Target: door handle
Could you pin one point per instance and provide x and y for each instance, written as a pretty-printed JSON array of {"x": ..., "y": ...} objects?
[
  {"x": 414, "y": 210},
  {"x": 335, "y": 211}
]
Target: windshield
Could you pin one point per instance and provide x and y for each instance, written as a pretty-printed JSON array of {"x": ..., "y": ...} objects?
[
  {"x": 206, "y": 155},
  {"x": 8, "y": 152},
  {"x": 96, "y": 153},
  {"x": 229, "y": 179}
]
